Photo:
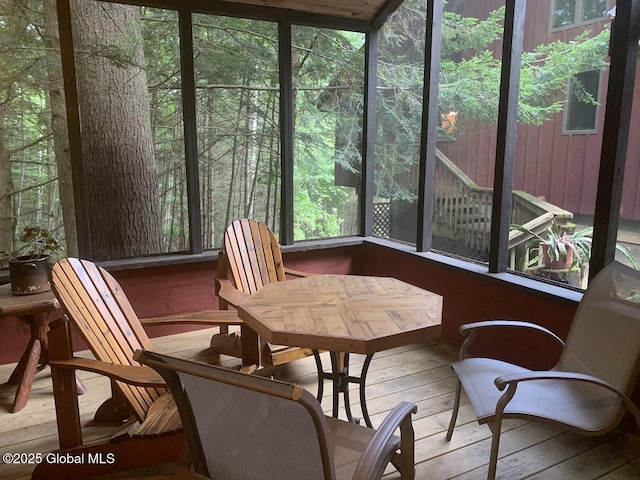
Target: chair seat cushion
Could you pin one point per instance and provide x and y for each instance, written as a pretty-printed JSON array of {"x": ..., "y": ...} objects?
[
  {"x": 585, "y": 407},
  {"x": 350, "y": 441}
]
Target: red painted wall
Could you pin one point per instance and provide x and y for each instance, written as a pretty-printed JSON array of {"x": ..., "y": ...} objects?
[
  {"x": 155, "y": 291},
  {"x": 469, "y": 297},
  {"x": 166, "y": 290}
]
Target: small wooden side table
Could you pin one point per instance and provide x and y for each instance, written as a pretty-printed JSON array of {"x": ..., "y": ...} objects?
[{"x": 35, "y": 311}]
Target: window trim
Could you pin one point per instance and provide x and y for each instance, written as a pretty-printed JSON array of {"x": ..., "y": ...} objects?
[{"x": 576, "y": 18}]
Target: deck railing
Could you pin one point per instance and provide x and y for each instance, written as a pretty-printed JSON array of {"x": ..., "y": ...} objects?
[{"x": 462, "y": 211}]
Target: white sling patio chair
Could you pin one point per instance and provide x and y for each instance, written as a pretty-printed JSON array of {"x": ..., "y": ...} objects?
[{"x": 587, "y": 391}]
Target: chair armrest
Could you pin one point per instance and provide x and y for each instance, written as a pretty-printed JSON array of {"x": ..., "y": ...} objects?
[
  {"x": 207, "y": 317},
  {"x": 131, "y": 374},
  {"x": 470, "y": 329},
  {"x": 229, "y": 293},
  {"x": 296, "y": 273},
  {"x": 381, "y": 449},
  {"x": 511, "y": 381}
]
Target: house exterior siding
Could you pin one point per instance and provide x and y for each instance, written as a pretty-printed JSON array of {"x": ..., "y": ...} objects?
[{"x": 561, "y": 168}]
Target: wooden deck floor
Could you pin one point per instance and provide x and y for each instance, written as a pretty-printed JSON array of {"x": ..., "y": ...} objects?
[{"x": 419, "y": 373}]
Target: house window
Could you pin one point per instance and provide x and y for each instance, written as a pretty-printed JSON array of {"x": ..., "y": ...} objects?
[
  {"x": 582, "y": 107},
  {"x": 571, "y": 13}
]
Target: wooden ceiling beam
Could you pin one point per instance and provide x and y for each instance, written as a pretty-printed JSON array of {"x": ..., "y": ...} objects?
[{"x": 352, "y": 15}]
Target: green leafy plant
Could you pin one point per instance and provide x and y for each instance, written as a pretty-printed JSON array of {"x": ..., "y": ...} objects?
[
  {"x": 559, "y": 240},
  {"x": 36, "y": 242}
]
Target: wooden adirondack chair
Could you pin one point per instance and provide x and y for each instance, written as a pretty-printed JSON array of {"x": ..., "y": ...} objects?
[
  {"x": 100, "y": 311},
  {"x": 253, "y": 254}
]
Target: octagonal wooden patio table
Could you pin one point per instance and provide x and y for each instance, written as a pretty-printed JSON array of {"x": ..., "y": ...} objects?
[{"x": 342, "y": 314}]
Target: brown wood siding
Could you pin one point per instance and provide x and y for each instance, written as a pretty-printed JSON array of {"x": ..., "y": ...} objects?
[
  {"x": 630, "y": 208},
  {"x": 560, "y": 168}
]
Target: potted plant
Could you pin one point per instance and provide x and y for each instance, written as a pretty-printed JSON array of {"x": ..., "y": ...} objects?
[
  {"x": 29, "y": 264},
  {"x": 560, "y": 246}
]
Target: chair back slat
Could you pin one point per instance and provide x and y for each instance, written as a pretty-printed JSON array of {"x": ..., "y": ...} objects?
[
  {"x": 269, "y": 253},
  {"x": 97, "y": 307},
  {"x": 604, "y": 339},
  {"x": 238, "y": 256},
  {"x": 245, "y": 427},
  {"x": 123, "y": 311},
  {"x": 254, "y": 255}
]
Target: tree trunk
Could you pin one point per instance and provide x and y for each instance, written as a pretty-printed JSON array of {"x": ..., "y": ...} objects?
[
  {"x": 120, "y": 173},
  {"x": 6, "y": 215},
  {"x": 251, "y": 169}
]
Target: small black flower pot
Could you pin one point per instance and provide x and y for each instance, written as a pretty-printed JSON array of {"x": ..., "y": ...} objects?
[{"x": 29, "y": 275}]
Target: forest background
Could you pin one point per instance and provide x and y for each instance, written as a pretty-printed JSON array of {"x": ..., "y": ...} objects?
[{"x": 130, "y": 102}]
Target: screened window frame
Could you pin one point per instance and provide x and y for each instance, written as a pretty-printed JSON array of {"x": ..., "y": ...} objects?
[{"x": 616, "y": 124}]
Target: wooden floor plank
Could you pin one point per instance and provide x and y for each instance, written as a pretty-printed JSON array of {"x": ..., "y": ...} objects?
[
  {"x": 601, "y": 460},
  {"x": 418, "y": 373},
  {"x": 628, "y": 471}
]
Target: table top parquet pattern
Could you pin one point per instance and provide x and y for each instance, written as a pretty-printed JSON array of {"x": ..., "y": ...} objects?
[{"x": 346, "y": 313}]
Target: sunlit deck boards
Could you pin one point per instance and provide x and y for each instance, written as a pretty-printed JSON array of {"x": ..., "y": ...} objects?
[{"x": 419, "y": 373}]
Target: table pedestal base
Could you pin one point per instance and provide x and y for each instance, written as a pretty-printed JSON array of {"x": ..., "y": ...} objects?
[{"x": 341, "y": 379}]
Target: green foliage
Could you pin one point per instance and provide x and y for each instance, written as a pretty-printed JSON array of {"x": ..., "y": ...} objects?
[
  {"x": 546, "y": 72},
  {"x": 27, "y": 161},
  {"x": 237, "y": 108},
  {"x": 467, "y": 34},
  {"x": 559, "y": 240},
  {"x": 36, "y": 242},
  {"x": 328, "y": 78},
  {"x": 469, "y": 83}
]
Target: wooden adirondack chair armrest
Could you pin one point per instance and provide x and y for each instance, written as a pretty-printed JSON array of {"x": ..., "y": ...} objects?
[
  {"x": 296, "y": 273},
  {"x": 229, "y": 293},
  {"x": 139, "y": 375},
  {"x": 470, "y": 329},
  {"x": 207, "y": 317},
  {"x": 380, "y": 449},
  {"x": 511, "y": 382}
]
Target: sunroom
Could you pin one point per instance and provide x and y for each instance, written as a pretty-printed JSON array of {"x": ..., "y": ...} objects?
[{"x": 437, "y": 142}]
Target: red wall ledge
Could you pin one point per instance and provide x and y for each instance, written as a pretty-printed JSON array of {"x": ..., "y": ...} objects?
[{"x": 469, "y": 292}]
